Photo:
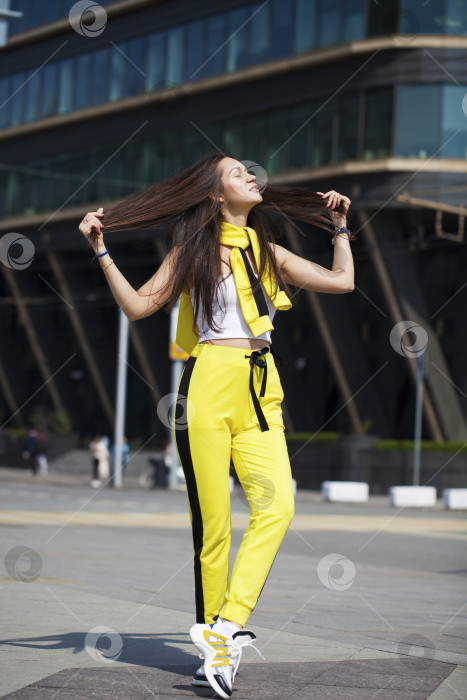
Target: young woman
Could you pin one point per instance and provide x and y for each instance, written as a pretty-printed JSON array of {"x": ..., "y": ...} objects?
[{"x": 231, "y": 277}]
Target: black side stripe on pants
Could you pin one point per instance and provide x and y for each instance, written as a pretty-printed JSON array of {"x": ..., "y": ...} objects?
[{"x": 183, "y": 446}]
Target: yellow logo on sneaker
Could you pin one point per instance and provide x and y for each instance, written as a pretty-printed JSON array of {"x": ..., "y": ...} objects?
[{"x": 222, "y": 657}]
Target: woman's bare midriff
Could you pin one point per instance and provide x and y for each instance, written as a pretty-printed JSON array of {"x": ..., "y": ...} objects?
[{"x": 246, "y": 343}]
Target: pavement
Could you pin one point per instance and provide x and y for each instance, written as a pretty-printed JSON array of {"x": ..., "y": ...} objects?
[{"x": 364, "y": 601}]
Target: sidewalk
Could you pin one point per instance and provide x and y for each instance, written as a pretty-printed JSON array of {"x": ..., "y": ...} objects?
[
  {"x": 108, "y": 613},
  {"x": 154, "y": 658}
]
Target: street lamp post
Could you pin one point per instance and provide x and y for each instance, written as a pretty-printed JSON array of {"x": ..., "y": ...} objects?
[
  {"x": 420, "y": 374},
  {"x": 122, "y": 364}
]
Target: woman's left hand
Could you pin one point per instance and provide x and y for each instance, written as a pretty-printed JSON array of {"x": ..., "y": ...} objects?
[{"x": 335, "y": 200}]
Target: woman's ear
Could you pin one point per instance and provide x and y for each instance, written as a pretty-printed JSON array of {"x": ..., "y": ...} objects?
[{"x": 220, "y": 197}]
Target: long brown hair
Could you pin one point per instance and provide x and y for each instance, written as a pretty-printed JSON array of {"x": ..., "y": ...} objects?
[{"x": 189, "y": 200}]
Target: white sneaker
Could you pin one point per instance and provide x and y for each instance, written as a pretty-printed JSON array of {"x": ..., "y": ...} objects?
[
  {"x": 221, "y": 655},
  {"x": 95, "y": 483}
]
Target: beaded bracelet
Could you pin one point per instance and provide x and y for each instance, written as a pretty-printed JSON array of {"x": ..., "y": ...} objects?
[{"x": 343, "y": 230}]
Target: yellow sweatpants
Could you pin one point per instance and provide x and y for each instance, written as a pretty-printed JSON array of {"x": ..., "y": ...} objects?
[{"x": 216, "y": 420}]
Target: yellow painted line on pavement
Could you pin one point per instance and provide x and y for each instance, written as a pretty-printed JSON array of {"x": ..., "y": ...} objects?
[
  {"x": 452, "y": 527},
  {"x": 40, "y": 579}
]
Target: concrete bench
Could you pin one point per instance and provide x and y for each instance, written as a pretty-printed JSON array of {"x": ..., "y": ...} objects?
[
  {"x": 412, "y": 496},
  {"x": 345, "y": 491},
  {"x": 455, "y": 499}
]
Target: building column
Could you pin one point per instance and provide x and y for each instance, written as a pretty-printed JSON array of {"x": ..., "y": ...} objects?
[
  {"x": 328, "y": 341},
  {"x": 405, "y": 301},
  {"x": 81, "y": 337},
  {"x": 34, "y": 344}
]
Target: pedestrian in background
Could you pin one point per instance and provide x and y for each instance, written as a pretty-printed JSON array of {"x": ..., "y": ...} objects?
[
  {"x": 99, "y": 461},
  {"x": 42, "y": 461},
  {"x": 30, "y": 452}
]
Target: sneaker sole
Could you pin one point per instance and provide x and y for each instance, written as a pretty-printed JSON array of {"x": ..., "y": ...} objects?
[{"x": 201, "y": 683}]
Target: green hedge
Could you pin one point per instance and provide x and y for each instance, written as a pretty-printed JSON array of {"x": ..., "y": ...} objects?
[
  {"x": 427, "y": 445},
  {"x": 319, "y": 437},
  {"x": 391, "y": 444}
]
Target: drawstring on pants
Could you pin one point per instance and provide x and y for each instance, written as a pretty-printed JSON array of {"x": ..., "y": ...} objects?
[{"x": 256, "y": 359}]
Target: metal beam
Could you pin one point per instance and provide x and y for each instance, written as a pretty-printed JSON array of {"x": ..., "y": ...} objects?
[
  {"x": 34, "y": 344},
  {"x": 141, "y": 354},
  {"x": 428, "y": 204},
  {"x": 81, "y": 337},
  {"x": 10, "y": 397},
  {"x": 328, "y": 340},
  {"x": 397, "y": 316}
]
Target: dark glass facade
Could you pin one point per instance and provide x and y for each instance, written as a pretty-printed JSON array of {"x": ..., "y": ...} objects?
[
  {"x": 353, "y": 126},
  {"x": 224, "y": 42},
  {"x": 311, "y": 23}
]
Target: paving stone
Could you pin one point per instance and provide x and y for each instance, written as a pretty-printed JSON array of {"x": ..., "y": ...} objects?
[{"x": 345, "y": 680}]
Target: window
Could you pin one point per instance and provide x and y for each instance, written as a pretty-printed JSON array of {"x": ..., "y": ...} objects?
[
  {"x": 300, "y": 136},
  {"x": 354, "y": 16},
  {"x": 135, "y": 51},
  {"x": 233, "y": 138},
  {"x": 305, "y": 25},
  {"x": 175, "y": 59},
  {"x": 322, "y": 130},
  {"x": 65, "y": 86},
  {"x": 215, "y": 49},
  {"x": 258, "y": 27},
  {"x": 33, "y": 93},
  {"x": 378, "y": 123},
  {"x": 236, "y": 47},
  {"x": 194, "y": 51},
  {"x": 281, "y": 39},
  {"x": 99, "y": 76},
  {"x": 5, "y": 92},
  {"x": 83, "y": 83},
  {"x": 275, "y": 146},
  {"x": 421, "y": 17},
  {"x": 418, "y": 120},
  {"x": 454, "y": 122},
  {"x": 254, "y": 136},
  {"x": 328, "y": 22},
  {"x": 155, "y": 64},
  {"x": 456, "y": 17},
  {"x": 117, "y": 75},
  {"x": 347, "y": 127},
  {"x": 382, "y": 17},
  {"x": 17, "y": 98}
]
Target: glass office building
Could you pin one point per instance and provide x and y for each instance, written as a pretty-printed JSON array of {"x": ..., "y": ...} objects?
[{"x": 362, "y": 97}]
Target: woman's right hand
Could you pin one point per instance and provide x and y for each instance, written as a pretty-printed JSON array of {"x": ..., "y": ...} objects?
[{"x": 91, "y": 228}]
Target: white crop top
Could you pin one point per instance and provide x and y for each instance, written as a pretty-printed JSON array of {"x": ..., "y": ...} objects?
[{"x": 229, "y": 316}]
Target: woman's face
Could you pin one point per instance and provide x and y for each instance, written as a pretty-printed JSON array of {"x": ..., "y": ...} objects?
[{"x": 239, "y": 187}]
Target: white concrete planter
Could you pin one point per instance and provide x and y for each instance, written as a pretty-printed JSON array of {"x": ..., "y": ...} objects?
[
  {"x": 412, "y": 496},
  {"x": 455, "y": 499},
  {"x": 345, "y": 491}
]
